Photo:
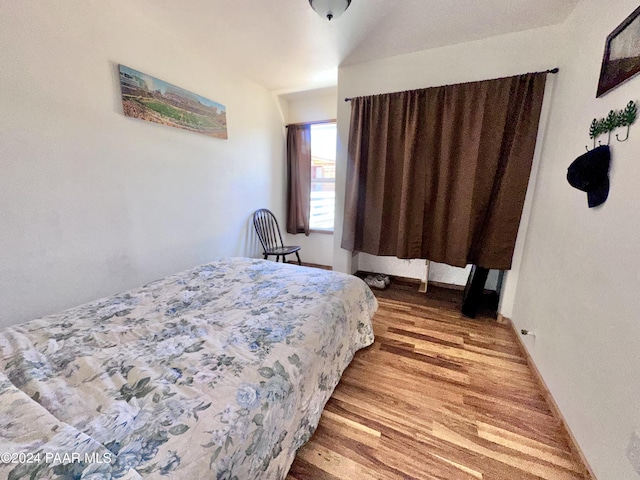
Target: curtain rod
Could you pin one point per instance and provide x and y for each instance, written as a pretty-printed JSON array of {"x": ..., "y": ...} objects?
[
  {"x": 551, "y": 70},
  {"x": 333, "y": 120}
]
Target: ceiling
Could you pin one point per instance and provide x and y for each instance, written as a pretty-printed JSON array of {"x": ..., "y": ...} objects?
[{"x": 285, "y": 46}]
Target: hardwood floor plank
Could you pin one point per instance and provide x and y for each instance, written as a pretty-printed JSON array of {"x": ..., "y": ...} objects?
[
  {"x": 303, "y": 470},
  {"x": 437, "y": 397},
  {"x": 536, "y": 466},
  {"x": 328, "y": 460},
  {"x": 447, "y": 340},
  {"x": 408, "y": 365},
  {"x": 352, "y": 429},
  {"x": 542, "y": 427},
  {"x": 371, "y": 459},
  {"x": 526, "y": 445}
]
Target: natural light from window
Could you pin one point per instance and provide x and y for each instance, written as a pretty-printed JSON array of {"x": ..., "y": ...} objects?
[{"x": 323, "y": 176}]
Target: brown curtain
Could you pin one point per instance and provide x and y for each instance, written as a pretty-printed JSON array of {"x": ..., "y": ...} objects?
[
  {"x": 441, "y": 173},
  {"x": 298, "y": 178}
]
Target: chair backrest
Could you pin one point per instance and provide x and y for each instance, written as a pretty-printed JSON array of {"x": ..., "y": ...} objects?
[{"x": 267, "y": 229}]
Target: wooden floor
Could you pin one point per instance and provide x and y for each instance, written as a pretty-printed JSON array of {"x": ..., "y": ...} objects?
[{"x": 436, "y": 397}]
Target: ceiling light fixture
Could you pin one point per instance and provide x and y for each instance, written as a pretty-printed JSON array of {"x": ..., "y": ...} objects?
[{"x": 330, "y": 9}]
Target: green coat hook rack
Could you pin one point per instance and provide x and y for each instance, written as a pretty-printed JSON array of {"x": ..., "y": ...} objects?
[{"x": 616, "y": 119}]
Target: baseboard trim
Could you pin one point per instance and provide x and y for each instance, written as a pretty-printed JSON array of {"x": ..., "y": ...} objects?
[
  {"x": 401, "y": 280},
  {"x": 417, "y": 282},
  {"x": 313, "y": 265},
  {"x": 453, "y": 286},
  {"x": 413, "y": 281},
  {"x": 573, "y": 444},
  {"x": 450, "y": 286}
]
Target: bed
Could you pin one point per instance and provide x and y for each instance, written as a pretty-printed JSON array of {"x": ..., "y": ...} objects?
[{"x": 220, "y": 372}]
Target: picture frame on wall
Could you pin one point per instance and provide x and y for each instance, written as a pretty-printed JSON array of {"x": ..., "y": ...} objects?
[
  {"x": 621, "y": 59},
  {"x": 154, "y": 100}
]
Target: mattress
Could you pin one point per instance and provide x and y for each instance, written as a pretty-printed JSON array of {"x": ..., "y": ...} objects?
[{"x": 221, "y": 371}]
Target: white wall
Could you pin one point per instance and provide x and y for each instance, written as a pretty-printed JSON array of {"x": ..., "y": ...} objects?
[
  {"x": 510, "y": 280},
  {"x": 312, "y": 105},
  {"x": 93, "y": 202},
  {"x": 512, "y": 54},
  {"x": 580, "y": 276},
  {"x": 302, "y": 107},
  {"x": 391, "y": 266},
  {"x": 443, "y": 273}
]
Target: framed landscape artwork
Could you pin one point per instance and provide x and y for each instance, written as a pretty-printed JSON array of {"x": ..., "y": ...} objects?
[
  {"x": 621, "y": 59},
  {"x": 154, "y": 100}
]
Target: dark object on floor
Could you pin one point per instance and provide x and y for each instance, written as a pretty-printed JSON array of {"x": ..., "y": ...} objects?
[
  {"x": 270, "y": 237},
  {"x": 473, "y": 291},
  {"x": 590, "y": 173},
  {"x": 378, "y": 281}
]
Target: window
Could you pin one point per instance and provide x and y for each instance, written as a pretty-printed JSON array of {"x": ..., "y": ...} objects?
[{"x": 323, "y": 176}]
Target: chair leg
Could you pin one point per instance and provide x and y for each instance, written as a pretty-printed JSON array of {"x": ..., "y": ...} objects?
[
  {"x": 277, "y": 258},
  {"x": 265, "y": 256},
  {"x": 299, "y": 262}
]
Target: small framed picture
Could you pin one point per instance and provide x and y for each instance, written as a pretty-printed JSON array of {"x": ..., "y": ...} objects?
[{"x": 621, "y": 59}]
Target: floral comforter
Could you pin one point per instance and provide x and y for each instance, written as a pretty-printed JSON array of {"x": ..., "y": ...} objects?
[{"x": 217, "y": 372}]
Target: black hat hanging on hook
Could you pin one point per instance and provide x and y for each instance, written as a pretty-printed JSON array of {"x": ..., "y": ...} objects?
[{"x": 590, "y": 173}]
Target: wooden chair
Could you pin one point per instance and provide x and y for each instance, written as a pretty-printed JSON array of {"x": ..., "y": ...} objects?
[{"x": 268, "y": 232}]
